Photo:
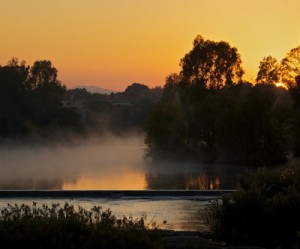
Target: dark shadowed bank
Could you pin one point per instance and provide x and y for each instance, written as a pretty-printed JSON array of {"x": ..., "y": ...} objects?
[{"x": 263, "y": 212}]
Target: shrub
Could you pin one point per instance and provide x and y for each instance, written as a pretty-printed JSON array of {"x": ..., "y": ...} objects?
[
  {"x": 265, "y": 211},
  {"x": 64, "y": 227}
]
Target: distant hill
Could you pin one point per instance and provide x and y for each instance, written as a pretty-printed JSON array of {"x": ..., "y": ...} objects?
[{"x": 96, "y": 89}]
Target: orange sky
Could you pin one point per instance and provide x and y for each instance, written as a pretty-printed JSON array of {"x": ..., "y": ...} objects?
[{"x": 114, "y": 43}]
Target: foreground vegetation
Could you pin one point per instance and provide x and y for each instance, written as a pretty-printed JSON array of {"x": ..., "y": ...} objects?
[
  {"x": 263, "y": 212},
  {"x": 64, "y": 227}
]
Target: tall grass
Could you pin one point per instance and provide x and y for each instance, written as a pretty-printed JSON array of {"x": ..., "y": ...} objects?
[{"x": 55, "y": 227}]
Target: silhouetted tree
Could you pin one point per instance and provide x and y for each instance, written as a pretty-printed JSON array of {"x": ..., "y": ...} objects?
[
  {"x": 207, "y": 114},
  {"x": 165, "y": 126},
  {"x": 268, "y": 71},
  {"x": 47, "y": 93},
  {"x": 14, "y": 98},
  {"x": 214, "y": 64},
  {"x": 42, "y": 73},
  {"x": 295, "y": 94},
  {"x": 269, "y": 134},
  {"x": 183, "y": 125},
  {"x": 290, "y": 67},
  {"x": 136, "y": 89},
  {"x": 31, "y": 100}
]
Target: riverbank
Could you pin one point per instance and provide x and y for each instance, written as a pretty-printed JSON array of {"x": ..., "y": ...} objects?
[
  {"x": 115, "y": 194},
  {"x": 188, "y": 240},
  {"x": 194, "y": 240}
]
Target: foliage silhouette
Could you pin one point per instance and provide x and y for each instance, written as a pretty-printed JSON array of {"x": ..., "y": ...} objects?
[
  {"x": 269, "y": 72},
  {"x": 214, "y": 64},
  {"x": 30, "y": 101},
  {"x": 65, "y": 227},
  {"x": 263, "y": 212},
  {"x": 119, "y": 113},
  {"x": 224, "y": 126},
  {"x": 290, "y": 67},
  {"x": 208, "y": 114},
  {"x": 34, "y": 103}
]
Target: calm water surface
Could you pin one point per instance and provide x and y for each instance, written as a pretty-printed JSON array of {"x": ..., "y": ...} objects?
[{"x": 113, "y": 164}]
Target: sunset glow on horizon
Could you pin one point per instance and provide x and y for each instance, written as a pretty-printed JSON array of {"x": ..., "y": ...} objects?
[{"x": 112, "y": 44}]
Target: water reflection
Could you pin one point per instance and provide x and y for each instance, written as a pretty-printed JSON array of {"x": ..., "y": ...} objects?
[
  {"x": 186, "y": 181},
  {"x": 203, "y": 182},
  {"x": 114, "y": 164},
  {"x": 193, "y": 176},
  {"x": 129, "y": 179},
  {"x": 108, "y": 163}
]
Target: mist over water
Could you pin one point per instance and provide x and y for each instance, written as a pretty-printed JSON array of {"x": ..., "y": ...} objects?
[
  {"x": 106, "y": 163},
  {"x": 103, "y": 163}
]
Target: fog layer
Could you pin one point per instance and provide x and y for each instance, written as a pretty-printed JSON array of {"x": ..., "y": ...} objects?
[{"x": 103, "y": 163}]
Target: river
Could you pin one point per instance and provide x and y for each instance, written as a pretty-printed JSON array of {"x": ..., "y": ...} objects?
[{"x": 113, "y": 164}]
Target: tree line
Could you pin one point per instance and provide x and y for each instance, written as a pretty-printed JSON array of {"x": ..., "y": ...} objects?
[
  {"x": 35, "y": 104},
  {"x": 30, "y": 100},
  {"x": 117, "y": 113},
  {"x": 208, "y": 113},
  {"x": 204, "y": 113}
]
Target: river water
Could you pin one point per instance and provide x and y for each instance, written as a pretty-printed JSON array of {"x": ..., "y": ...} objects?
[{"x": 113, "y": 164}]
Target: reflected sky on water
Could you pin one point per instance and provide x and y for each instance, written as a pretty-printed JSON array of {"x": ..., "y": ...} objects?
[
  {"x": 114, "y": 164},
  {"x": 109, "y": 164}
]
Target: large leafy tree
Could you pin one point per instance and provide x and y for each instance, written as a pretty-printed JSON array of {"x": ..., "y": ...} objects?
[
  {"x": 207, "y": 113},
  {"x": 290, "y": 67},
  {"x": 214, "y": 64},
  {"x": 47, "y": 93},
  {"x": 165, "y": 125},
  {"x": 184, "y": 123},
  {"x": 43, "y": 73},
  {"x": 31, "y": 100},
  {"x": 14, "y": 97},
  {"x": 268, "y": 71}
]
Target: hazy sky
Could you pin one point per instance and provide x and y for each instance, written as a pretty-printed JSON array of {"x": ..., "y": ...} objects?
[{"x": 113, "y": 43}]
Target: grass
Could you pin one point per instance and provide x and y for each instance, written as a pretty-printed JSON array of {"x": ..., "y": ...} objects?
[{"x": 24, "y": 226}]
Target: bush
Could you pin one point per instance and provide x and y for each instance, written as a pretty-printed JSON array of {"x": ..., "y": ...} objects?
[
  {"x": 265, "y": 211},
  {"x": 64, "y": 227}
]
